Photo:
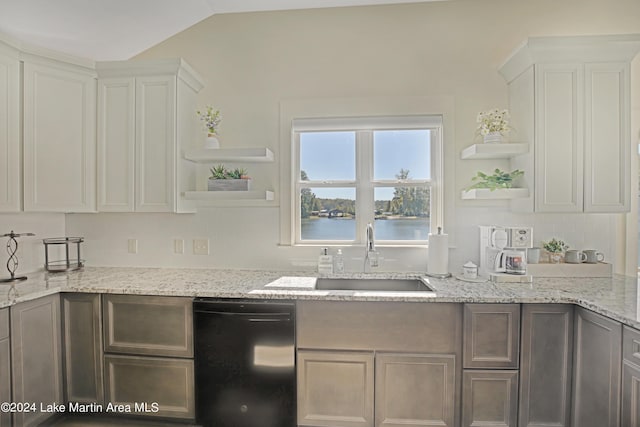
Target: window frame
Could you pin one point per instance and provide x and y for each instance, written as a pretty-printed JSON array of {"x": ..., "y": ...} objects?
[{"x": 364, "y": 182}]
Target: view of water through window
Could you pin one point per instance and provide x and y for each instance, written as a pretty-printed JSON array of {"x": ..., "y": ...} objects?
[
  {"x": 402, "y": 205},
  {"x": 345, "y": 229}
]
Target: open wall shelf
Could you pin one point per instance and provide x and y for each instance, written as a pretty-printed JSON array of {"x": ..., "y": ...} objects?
[
  {"x": 494, "y": 151},
  {"x": 252, "y": 155},
  {"x": 502, "y": 193}
]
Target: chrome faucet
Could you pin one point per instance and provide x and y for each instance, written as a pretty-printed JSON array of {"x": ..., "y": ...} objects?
[{"x": 370, "y": 253}]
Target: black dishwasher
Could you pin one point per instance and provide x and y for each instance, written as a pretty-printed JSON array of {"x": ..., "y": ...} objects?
[{"x": 245, "y": 363}]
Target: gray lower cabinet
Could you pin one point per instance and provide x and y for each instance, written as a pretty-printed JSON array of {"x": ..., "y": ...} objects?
[
  {"x": 630, "y": 377},
  {"x": 82, "y": 336},
  {"x": 335, "y": 389},
  {"x": 5, "y": 365},
  {"x": 546, "y": 365},
  {"x": 630, "y": 395},
  {"x": 151, "y": 386},
  {"x": 36, "y": 356},
  {"x": 490, "y": 398},
  {"x": 491, "y": 355},
  {"x": 414, "y": 389},
  {"x": 596, "y": 381},
  {"x": 140, "y": 324},
  {"x": 148, "y": 345},
  {"x": 383, "y": 364},
  {"x": 491, "y": 336}
]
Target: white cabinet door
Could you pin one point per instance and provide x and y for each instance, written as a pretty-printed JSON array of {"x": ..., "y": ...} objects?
[
  {"x": 116, "y": 144},
  {"x": 10, "y": 160},
  {"x": 156, "y": 147},
  {"x": 607, "y": 174},
  {"x": 559, "y": 137},
  {"x": 59, "y": 139}
]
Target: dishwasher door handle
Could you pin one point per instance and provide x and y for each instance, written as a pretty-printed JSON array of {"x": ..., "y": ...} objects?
[{"x": 251, "y": 317}]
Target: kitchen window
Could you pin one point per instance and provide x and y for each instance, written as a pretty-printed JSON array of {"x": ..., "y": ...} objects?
[{"x": 353, "y": 171}]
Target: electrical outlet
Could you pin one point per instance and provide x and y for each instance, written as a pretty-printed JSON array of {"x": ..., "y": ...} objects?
[
  {"x": 133, "y": 246},
  {"x": 178, "y": 246},
  {"x": 201, "y": 246}
]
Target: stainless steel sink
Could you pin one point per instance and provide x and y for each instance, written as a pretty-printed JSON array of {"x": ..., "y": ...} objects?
[{"x": 385, "y": 285}]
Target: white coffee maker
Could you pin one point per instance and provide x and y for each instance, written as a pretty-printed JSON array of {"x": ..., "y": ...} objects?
[{"x": 499, "y": 246}]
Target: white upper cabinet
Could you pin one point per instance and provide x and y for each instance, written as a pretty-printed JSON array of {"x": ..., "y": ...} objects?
[
  {"x": 10, "y": 159},
  {"x": 116, "y": 144},
  {"x": 59, "y": 136},
  {"x": 558, "y": 148},
  {"x": 146, "y": 119},
  {"x": 607, "y": 137},
  {"x": 571, "y": 97}
]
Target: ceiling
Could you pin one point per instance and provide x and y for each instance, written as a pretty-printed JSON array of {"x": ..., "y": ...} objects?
[{"x": 119, "y": 29}]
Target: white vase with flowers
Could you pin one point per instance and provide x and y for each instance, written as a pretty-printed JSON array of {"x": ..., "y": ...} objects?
[
  {"x": 211, "y": 120},
  {"x": 493, "y": 125}
]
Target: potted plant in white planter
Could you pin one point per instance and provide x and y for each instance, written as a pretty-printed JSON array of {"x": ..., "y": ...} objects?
[
  {"x": 493, "y": 125},
  {"x": 222, "y": 179},
  {"x": 555, "y": 248}
]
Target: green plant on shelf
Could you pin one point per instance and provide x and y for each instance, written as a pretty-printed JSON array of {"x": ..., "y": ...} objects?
[
  {"x": 221, "y": 172},
  {"x": 555, "y": 246},
  {"x": 499, "y": 179}
]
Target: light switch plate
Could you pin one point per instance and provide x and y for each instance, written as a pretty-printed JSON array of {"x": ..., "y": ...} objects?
[
  {"x": 132, "y": 246},
  {"x": 178, "y": 246},
  {"x": 201, "y": 246}
]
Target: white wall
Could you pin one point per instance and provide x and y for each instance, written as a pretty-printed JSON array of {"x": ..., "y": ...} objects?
[
  {"x": 253, "y": 61},
  {"x": 30, "y": 249}
]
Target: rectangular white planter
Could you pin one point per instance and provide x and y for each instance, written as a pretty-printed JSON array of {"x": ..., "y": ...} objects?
[{"x": 229, "y": 185}]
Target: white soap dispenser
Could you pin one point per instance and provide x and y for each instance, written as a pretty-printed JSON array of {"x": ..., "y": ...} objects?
[
  {"x": 325, "y": 262},
  {"x": 339, "y": 262}
]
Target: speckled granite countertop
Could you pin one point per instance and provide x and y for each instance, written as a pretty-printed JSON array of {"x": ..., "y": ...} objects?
[{"x": 615, "y": 297}]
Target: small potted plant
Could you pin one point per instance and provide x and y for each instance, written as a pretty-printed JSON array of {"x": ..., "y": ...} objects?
[
  {"x": 493, "y": 125},
  {"x": 555, "y": 248},
  {"x": 499, "y": 179},
  {"x": 222, "y": 179},
  {"x": 211, "y": 120}
]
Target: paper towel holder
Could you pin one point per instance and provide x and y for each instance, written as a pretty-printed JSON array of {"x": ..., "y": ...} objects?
[{"x": 438, "y": 275}]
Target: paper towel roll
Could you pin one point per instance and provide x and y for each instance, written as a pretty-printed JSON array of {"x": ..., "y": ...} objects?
[{"x": 438, "y": 258}]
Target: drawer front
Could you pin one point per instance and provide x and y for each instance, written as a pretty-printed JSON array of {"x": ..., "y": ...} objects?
[
  {"x": 151, "y": 386},
  {"x": 158, "y": 326},
  {"x": 379, "y": 326},
  {"x": 631, "y": 345},
  {"x": 490, "y": 398},
  {"x": 491, "y": 335},
  {"x": 4, "y": 323}
]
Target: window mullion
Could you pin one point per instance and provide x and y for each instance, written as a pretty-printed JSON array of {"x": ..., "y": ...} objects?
[{"x": 365, "y": 204}]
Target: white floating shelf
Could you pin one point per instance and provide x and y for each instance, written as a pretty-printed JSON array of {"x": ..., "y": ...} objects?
[
  {"x": 253, "y": 155},
  {"x": 229, "y": 195},
  {"x": 494, "y": 151},
  {"x": 502, "y": 193}
]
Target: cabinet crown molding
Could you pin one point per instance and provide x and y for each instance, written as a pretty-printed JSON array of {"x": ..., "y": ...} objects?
[
  {"x": 26, "y": 51},
  {"x": 564, "y": 49},
  {"x": 153, "y": 67}
]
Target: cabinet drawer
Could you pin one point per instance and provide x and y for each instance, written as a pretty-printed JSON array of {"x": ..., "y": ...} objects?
[
  {"x": 158, "y": 326},
  {"x": 491, "y": 335},
  {"x": 4, "y": 323},
  {"x": 379, "y": 326},
  {"x": 490, "y": 398},
  {"x": 136, "y": 381},
  {"x": 631, "y": 345}
]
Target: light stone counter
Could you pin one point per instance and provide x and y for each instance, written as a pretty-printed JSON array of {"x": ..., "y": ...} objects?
[{"x": 616, "y": 297}]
